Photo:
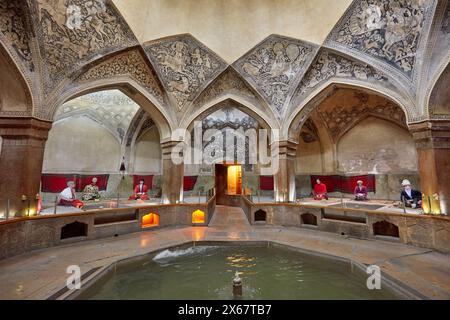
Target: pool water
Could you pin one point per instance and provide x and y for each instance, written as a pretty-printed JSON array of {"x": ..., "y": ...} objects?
[{"x": 206, "y": 272}]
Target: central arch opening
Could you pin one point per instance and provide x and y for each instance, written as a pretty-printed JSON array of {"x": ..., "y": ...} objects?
[
  {"x": 105, "y": 144},
  {"x": 354, "y": 136}
]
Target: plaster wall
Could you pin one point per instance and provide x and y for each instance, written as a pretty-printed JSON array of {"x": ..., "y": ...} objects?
[
  {"x": 80, "y": 145},
  {"x": 232, "y": 27},
  {"x": 147, "y": 153},
  {"x": 12, "y": 89},
  {"x": 376, "y": 146}
]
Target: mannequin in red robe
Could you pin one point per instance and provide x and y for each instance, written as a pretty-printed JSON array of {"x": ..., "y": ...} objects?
[
  {"x": 67, "y": 197},
  {"x": 320, "y": 191},
  {"x": 140, "y": 191}
]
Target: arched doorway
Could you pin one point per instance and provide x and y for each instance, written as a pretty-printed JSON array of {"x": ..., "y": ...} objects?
[
  {"x": 93, "y": 136},
  {"x": 352, "y": 134},
  {"x": 228, "y": 133}
]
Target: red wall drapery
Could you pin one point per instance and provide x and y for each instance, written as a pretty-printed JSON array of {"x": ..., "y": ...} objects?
[
  {"x": 56, "y": 182},
  {"x": 266, "y": 183},
  {"x": 189, "y": 182},
  {"x": 148, "y": 180},
  {"x": 337, "y": 183}
]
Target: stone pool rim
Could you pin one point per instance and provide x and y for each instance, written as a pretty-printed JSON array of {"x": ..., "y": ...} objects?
[{"x": 95, "y": 275}]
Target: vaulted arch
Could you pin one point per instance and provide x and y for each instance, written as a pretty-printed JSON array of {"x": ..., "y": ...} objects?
[
  {"x": 130, "y": 88},
  {"x": 293, "y": 123}
]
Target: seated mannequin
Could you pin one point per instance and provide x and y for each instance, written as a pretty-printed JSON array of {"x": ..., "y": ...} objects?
[
  {"x": 360, "y": 191},
  {"x": 140, "y": 191},
  {"x": 91, "y": 191},
  {"x": 320, "y": 191},
  {"x": 67, "y": 197},
  {"x": 410, "y": 197}
]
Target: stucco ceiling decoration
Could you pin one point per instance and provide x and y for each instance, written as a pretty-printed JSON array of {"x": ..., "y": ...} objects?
[
  {"x": 75, "y": 32},
  {"x": 229, "y": 82},
  {"x": 329, "y": 65},
  {"x": 229, "y": 116},
  {"x": 446, "y": 21},
  {"x": 14, "y": 27},
  {"x": 110, "y": 108},
  {"x": 129, "y": 63},
  {"x": 346, "y": 107},
  {"x": 275, "y": 67},
  {"x": 185, "y": 66},
  {"x": 390, "y": 33}
]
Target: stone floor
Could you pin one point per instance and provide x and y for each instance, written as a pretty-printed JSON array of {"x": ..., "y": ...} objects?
[{"x": 40, "y": 274}]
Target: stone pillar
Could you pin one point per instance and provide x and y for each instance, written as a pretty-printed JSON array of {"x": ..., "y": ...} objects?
[
  {"x": 284, "y": 177},
  {"x": 172, "y": 174},
  {"x": 21, "y": 157},
  {"x": 433, "y": 147}
]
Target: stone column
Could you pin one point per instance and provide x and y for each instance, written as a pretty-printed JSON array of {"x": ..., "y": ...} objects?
[
  {"x": 433, "y": 146},
  {"x": 172, "y": 176},
  {"x": 284, "y": 177},
  {"x": 21, "y": 157}
]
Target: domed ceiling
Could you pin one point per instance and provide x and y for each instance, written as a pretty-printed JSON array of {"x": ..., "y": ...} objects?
[{"x": 232, "y": 27}]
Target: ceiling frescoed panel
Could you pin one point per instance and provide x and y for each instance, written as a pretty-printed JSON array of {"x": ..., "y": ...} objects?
[
  {"x": 110, "y": 108},
  {"x": 74, "y": 32},
  {"x": 389, "y": 31},
  {"x": 184, "y": 65},
  {"x": 129, "y": 63},
  {"x": 329, "y": 65},
  {"x": 14, "y": 28},
  {"x": 275, "y": 67}
]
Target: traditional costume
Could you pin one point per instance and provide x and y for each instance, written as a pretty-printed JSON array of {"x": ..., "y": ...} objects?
[
  {"x": 360, "y": 191},
  {"x": 67, "y": 197},
  {"x": 91, "y": 191},
  {"x": 140, "y": 192},
  {"x": 410, "y": 197},
  {"x": 320, "y": 191}
]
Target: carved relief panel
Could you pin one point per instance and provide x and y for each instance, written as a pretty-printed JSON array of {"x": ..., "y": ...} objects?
[
  {"x": 275, "y": 66},
  {"x": 184, "y": 65},
  {"x": 75, "y": 31},
  {"x": 13, "y": 28},
  {"x": 387, "y": 30}
]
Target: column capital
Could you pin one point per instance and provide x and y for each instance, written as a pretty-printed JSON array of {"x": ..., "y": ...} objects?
[
  {"x": 431, "y": 134},
  {"x": 29, "y": 130},
  {"x": 286, "y": 148},
  {"x": 167, "y": 147}
]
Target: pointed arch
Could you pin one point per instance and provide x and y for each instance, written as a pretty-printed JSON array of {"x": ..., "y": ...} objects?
[
  {"x": 17, "y": 90},
  {"x": 133, "y": 90},
  {"x": 300, "y": 112},
  {"x": 214, "y": 104}
]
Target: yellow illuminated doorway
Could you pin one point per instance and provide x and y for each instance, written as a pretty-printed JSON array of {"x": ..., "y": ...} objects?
[{"x": 234, "y": 180}]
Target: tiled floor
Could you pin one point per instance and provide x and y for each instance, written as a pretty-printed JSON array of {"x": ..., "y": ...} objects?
[{"x": 39, "y": 274}]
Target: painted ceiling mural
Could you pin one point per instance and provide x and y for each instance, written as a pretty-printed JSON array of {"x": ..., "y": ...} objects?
[
  {"x": 330, "y": 65},
  {"x": 129, "y": 64},
  {"x": 354, "y": 106},
  {"x": 75, "y": 31},
  {"x": 446, "y": 21},
  {"x": 13, "y": 26},
  {"x": 110, "y": 108},
  {"x": 275, "y": 66},
  {"x": 185, "y": 66},
  {"x": 377, "y": 42},
  {"x": 388, "y": 30},
  {"x": 231, "y": 124}
]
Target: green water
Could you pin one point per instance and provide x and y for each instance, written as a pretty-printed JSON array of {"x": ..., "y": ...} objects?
[{"x": 206, "y": 272}]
